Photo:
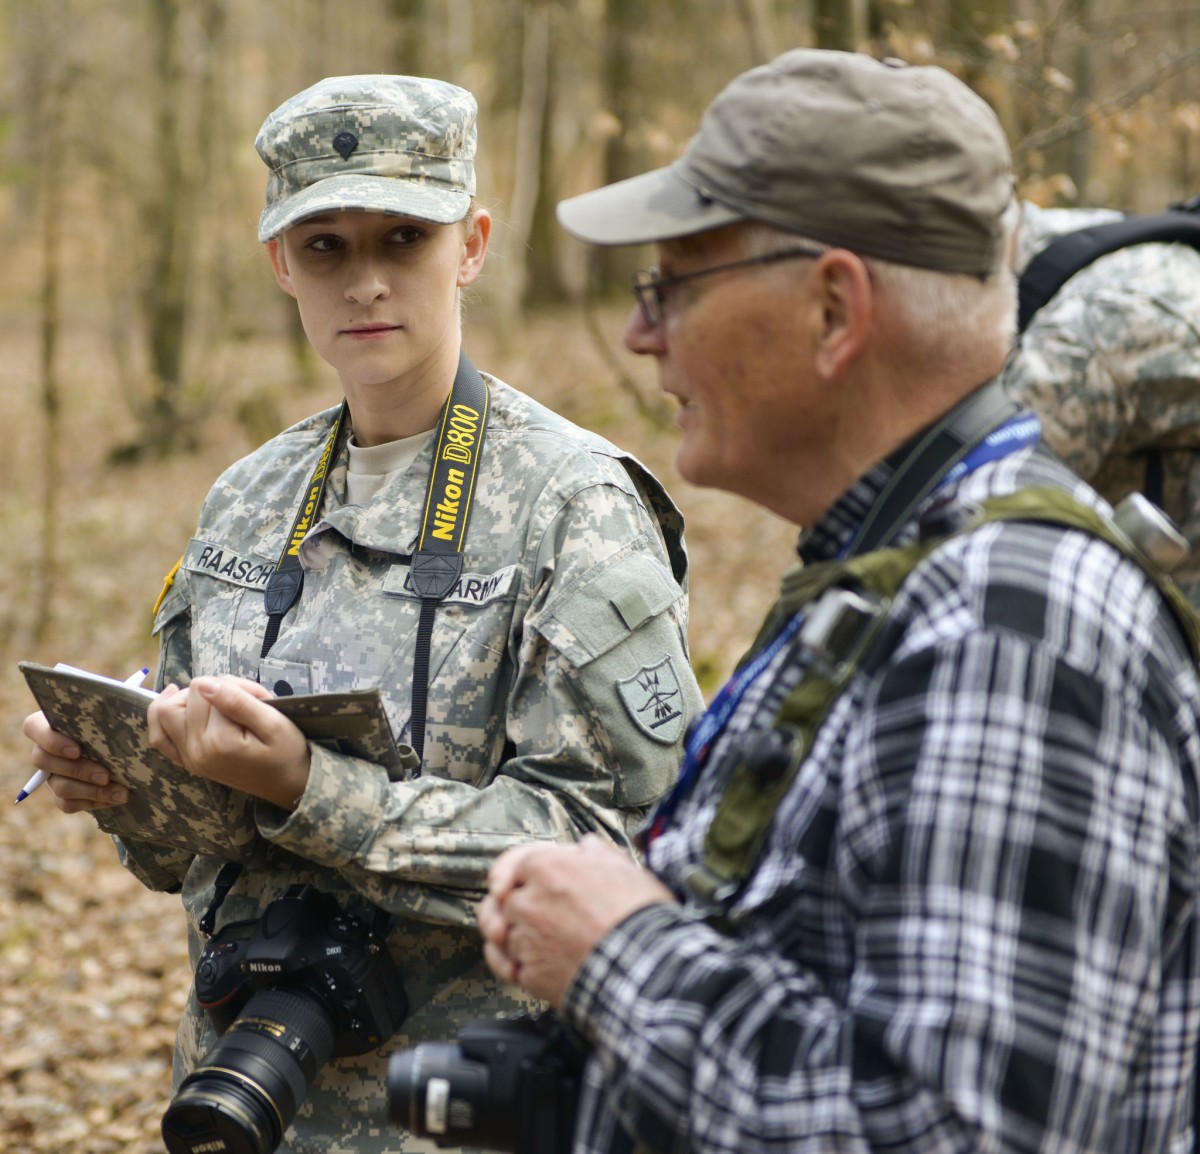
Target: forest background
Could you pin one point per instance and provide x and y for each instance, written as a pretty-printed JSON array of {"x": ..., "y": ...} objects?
[{"x": 144, "y": 346}]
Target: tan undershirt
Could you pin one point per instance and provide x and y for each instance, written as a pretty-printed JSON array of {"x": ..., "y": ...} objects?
[{"x": 371, "y": 466}]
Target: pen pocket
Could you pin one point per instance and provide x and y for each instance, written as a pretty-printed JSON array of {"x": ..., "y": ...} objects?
[{"x": 285, "y": 678}]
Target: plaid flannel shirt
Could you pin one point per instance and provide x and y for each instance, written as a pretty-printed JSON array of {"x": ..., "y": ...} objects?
[{"x": 974, "y": 925}]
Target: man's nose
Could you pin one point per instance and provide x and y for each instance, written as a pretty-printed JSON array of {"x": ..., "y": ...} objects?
[{"x": 640, "y": 336}]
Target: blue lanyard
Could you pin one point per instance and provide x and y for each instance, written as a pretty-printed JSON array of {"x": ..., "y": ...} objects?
[
  {"x": 1013, "y": 435},
  {"x": 1017, "y": 433},
  {"x": 712, "y": 722}
]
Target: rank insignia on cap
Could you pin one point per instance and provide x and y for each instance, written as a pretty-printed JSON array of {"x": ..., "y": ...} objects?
[
  {"x": 652, "y": 697},
  {"x": 344, "y": 144}
]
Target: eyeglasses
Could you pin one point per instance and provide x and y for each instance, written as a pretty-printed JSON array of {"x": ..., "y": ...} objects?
[{"x": 651, "y": 289}]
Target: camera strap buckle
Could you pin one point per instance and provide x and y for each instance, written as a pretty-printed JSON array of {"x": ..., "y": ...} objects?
[{"x": 226, "y": 877}]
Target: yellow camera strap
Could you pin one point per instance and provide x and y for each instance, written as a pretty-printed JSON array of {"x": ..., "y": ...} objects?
[{"x": 438, "y": 562}]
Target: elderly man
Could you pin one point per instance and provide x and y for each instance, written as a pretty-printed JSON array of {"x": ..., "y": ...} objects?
[{"x": 929, "y": 878}]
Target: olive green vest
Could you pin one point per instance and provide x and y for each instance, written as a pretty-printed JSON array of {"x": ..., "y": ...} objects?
[{"x": 846, "y": 607}]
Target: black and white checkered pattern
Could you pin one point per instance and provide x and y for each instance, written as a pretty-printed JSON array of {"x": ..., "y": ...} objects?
[{"x": 974, "y": 926}]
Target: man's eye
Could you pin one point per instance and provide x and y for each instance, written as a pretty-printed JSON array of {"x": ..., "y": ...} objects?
[{"x": 322, "y": 244}]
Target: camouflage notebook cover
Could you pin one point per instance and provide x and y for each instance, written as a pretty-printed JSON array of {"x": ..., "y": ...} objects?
[{"x": 168, "y": 805}]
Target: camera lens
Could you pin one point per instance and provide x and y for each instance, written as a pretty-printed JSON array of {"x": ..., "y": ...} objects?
[
  {"x": 245, "y": 1094},
  {"x": 509, "y": 1084},
  {"x": 434, "y": 1090}
]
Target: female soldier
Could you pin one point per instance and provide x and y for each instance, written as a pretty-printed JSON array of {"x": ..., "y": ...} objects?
[{"x": 540, "y": 671}]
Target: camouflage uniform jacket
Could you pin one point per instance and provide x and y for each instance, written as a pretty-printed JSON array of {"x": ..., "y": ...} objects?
[
  {"x": 559, "y": 692},
  {"x": 1111, "y": 364}
]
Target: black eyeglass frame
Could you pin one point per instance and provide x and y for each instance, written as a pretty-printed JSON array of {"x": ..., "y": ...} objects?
[{"x": 650, "y": 289}]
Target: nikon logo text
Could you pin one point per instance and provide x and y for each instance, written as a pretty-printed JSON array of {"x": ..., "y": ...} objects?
[
  {"x": 305, "y": 522},
  {"x": 458, "y": 441},
  {"x": 265, "y": 968}
]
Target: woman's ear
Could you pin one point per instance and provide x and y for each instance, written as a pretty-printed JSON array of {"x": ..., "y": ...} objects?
[
  {"x": 279, "y": 265},
  {"x": 846, "y": 310},
  {"x": 475, "y": 249}
]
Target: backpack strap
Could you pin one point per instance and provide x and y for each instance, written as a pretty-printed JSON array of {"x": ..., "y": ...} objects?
[
  {"x": 846, "y": 606},
  {"x": 1056, "y": 507},
  {"x": 1068, "y": 254}
]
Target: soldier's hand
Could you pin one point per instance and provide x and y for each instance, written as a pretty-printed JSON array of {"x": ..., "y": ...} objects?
[
  {"x": 76, "y": 784},
  {"x": 221, "y": 728}
]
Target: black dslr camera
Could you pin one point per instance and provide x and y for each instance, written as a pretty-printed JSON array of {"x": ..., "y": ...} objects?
[
  {"x": 510, "y": 1084},
  {"x": 303, "y": 983}
]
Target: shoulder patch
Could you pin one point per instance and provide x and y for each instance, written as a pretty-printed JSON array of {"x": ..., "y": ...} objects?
[{"x": 653, "y": 698}]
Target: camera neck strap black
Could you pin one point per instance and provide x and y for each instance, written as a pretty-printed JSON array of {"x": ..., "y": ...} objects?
[
  {"x": 227, "y": 875},
  {"x": 226, "y": 879},
  {"x": 928, "y": 459},
  {"x": 438, "y": 562},
  {"x": 285, "y": 583}
]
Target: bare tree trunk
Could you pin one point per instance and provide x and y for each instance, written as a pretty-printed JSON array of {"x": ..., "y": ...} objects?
[
  {"x": 164, "y": 289},
  {"x": 545, "y": 283},
  {"x": 459, "y": 44},
  {"x": 51, "y": 196},
  {"x": 759, "y": 16},
  {"x": 1079, "y": 146},
  {"x": 1187, "y": 23},
  {"x": 212, "y": 147},
  {"x": 612, "y": 266},
  {"x": 531, "y": 121},
  {"x": 412, "y": 57},
  {"x": 840, "y": 24}
]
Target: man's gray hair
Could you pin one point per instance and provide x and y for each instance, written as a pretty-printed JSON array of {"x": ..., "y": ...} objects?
[{"x": 949, "y": 317}]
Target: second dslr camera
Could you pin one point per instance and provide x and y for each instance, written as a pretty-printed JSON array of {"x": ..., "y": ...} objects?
[{"x": 509, "y": 1084}]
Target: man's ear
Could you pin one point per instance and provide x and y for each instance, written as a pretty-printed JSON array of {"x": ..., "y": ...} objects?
[
  {"x": 846, "y": 303},
  {"x": 279, "y": 265},
  {"x": 475, "y": 249}
]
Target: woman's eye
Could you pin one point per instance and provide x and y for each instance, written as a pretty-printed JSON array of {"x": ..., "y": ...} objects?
[
  {"x": 322, "y": 244},
  {"x": 407, "y": 234}
]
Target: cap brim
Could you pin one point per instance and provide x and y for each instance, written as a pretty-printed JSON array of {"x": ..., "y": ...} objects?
[
  {"x": 658, "y": 205},
  {"x": 357, "y": 192}
]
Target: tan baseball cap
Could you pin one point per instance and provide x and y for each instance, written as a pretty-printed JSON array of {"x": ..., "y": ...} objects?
[
  {"x": 898, "y": 162},
  {"x": 377, "y": 143}
]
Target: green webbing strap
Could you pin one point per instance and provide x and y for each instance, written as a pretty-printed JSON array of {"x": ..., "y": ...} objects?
[
  {"x": 1055, "y": 507},
  {"x": 847, "y": 605}
]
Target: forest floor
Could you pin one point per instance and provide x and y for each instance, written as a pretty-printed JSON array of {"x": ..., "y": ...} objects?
[{"x": 93, "y": 968}]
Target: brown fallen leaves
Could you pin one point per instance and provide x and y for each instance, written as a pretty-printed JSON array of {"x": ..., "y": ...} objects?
[{"x": 93, "y": 976}]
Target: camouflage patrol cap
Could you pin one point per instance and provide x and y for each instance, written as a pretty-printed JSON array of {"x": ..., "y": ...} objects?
[
  {"x": 902, "y": 163},
  {"x": 397, "y": 144}
]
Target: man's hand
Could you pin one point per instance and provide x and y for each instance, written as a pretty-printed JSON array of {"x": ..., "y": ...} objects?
[
  {"x": 77, "y": 785},
  {"x": 548, "y": 907},
  {"x": 220, "y": 728}
]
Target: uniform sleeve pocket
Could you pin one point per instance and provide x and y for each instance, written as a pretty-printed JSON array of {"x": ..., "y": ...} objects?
[{"x": 598, "y": 614}]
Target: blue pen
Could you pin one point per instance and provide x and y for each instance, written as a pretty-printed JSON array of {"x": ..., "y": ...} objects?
[{"x": 35, "y": 782}]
